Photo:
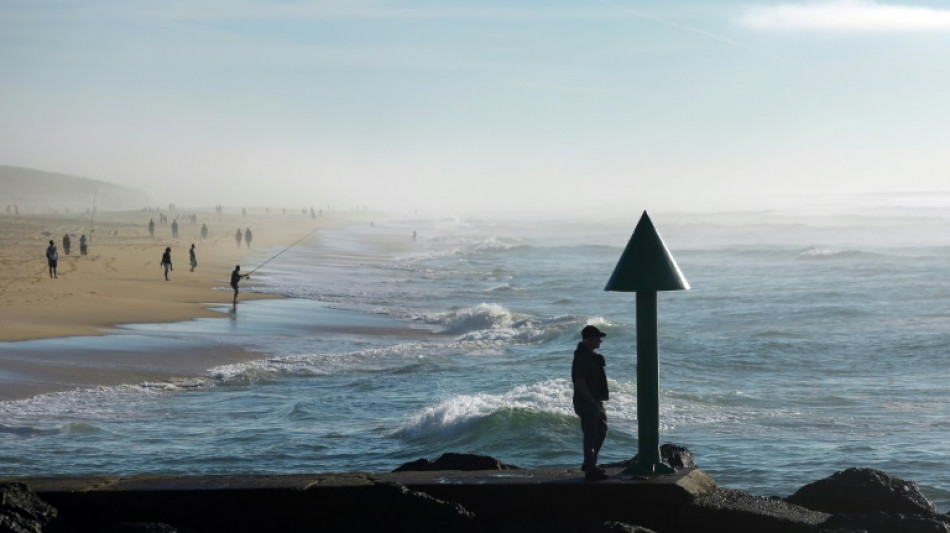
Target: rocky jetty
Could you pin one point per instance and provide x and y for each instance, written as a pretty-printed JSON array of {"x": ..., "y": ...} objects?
[{"x": 480, "y": 495}]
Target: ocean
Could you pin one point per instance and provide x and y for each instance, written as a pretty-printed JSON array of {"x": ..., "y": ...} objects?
[{"x": 809, "y": 343}]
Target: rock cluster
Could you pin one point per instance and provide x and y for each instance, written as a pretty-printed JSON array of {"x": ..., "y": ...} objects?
[
  {"x": 21, "y": 511},
  {"x": 864, "y": 499}
]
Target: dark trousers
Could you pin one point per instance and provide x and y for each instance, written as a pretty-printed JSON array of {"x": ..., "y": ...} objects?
[{"x": 594, "y": 425}]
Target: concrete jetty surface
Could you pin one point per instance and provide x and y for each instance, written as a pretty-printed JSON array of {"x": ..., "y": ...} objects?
[{"x": 501, "y": 500}]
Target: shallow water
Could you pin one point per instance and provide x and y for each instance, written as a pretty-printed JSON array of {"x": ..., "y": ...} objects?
[{"x": 802, "y": 349}]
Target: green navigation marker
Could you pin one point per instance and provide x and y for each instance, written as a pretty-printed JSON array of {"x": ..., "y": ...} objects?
[{"x": 646, "y": 267}]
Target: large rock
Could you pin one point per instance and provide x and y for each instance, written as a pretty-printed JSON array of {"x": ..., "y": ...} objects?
[
  {"x": 22, "y": 511},
  {"x": 679, "y": 457},
  {"x": 391, "y": 506},
  {"x": 456, "y": 461},
  {"x": 862, "y": 491}
]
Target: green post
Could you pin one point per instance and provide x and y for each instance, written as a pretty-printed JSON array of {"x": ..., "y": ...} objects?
[
  {"x": 648, "y": 388},
  {"x": 646, "y": 267}
]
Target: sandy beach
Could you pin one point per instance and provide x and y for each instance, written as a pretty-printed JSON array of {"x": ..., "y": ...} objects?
[{"x": 120, "y": 281}]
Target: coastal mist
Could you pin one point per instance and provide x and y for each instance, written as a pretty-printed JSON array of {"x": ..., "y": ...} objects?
[{"x": 808, "y": 344}]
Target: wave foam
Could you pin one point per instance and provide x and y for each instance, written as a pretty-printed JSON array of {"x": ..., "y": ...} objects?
[
  {"x": 490, "y": 322},
  {"x": 458, "y": 413}
]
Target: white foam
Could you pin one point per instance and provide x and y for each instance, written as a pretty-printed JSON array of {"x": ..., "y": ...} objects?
[
  {"x": 91, "y": 403},
  {"x": 459, "y": 412}
]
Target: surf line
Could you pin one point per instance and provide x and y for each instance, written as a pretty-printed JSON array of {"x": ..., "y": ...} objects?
[{"x": 291, "y": 245}]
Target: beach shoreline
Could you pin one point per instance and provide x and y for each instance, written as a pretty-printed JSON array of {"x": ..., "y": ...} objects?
[{"x": 120, "y": 282}]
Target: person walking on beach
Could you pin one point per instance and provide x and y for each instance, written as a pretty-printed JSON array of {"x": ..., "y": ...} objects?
[
  {"x": 175, "y": 228},
  {"x": 235, "y": 278},
  {"x": 192, "y": 257},
  {"x": 52, "y": 257},
  {"x": 82, "y": 245},
  {"x": 151, "y": 227},
  {"x": 66, "y": 243},
  {"x": 204, "y": 231},
  {"x": 167, "y": 261},
  {"x": 248, "y": 237},
  {"x": 590, "y": 393}
]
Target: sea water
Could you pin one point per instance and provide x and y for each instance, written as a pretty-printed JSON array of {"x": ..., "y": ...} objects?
[{"x": 807, "y": 344}]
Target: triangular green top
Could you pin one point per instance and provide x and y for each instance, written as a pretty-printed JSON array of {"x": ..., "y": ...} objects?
[{"x": 646, "y": 264}]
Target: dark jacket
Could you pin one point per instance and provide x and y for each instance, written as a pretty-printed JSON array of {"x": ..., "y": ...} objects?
[{"x": 590, "y": 365}]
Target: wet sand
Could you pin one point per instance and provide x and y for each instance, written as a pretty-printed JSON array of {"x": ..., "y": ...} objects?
[{"x": 120, "y": 281}]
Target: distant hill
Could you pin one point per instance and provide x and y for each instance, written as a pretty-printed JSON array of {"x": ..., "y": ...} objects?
[{"x": 37, "y": 191}]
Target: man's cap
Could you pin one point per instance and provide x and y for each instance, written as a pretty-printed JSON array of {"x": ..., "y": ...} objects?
[{"x": 591, "y": 331}]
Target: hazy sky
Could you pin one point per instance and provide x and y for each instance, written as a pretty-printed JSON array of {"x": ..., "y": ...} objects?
[{"x": 483, "y": 104}]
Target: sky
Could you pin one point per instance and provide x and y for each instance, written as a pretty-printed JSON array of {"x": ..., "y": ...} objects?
[{"x": 482, "y": 105}]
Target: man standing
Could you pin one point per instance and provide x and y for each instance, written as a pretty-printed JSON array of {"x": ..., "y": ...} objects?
[
  {"x": 52, "y": 257},
  {"x": 590, "y": 393}
]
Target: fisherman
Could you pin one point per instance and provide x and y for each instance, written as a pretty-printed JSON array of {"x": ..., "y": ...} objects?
[
  {"x": 192, "y": 257},
  {"x": 235, "y": 278}
]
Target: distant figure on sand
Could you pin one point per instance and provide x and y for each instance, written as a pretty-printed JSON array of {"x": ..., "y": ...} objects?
[
  {"x": 238, "y": 236},
  {"x": 52, "y": 257},
  {"x": 66, "y": 243},
  {"x": 235, "y": 278},
  {"x": 151, "y": 227},
  {"x": 167, "y": 261},
  {"x": 590, "y": 393},
  {"x": 248, "y": 237},
  {"x": 82, "y": 245},
  {"x": 192, "y": 257},
  {"x": 204, "y": 231},
  {"x": 175, "y": 229}
]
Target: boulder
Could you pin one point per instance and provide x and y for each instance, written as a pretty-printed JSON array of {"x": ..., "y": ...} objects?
[
  {"x": 863, "y": 491},
  {"x": 391, "y": 506},
  {"x": 679, "y": 457},
  {"x": 22, "y": 511},
  {"x": 456, "y": 461},
  {"x": 419, "y": 465}
]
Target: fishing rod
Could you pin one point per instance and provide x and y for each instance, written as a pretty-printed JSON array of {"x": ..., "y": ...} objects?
[{"x": 291, "y": 245}]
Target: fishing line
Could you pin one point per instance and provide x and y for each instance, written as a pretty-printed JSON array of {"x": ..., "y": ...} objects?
[{"x": 291, "y": 245}]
